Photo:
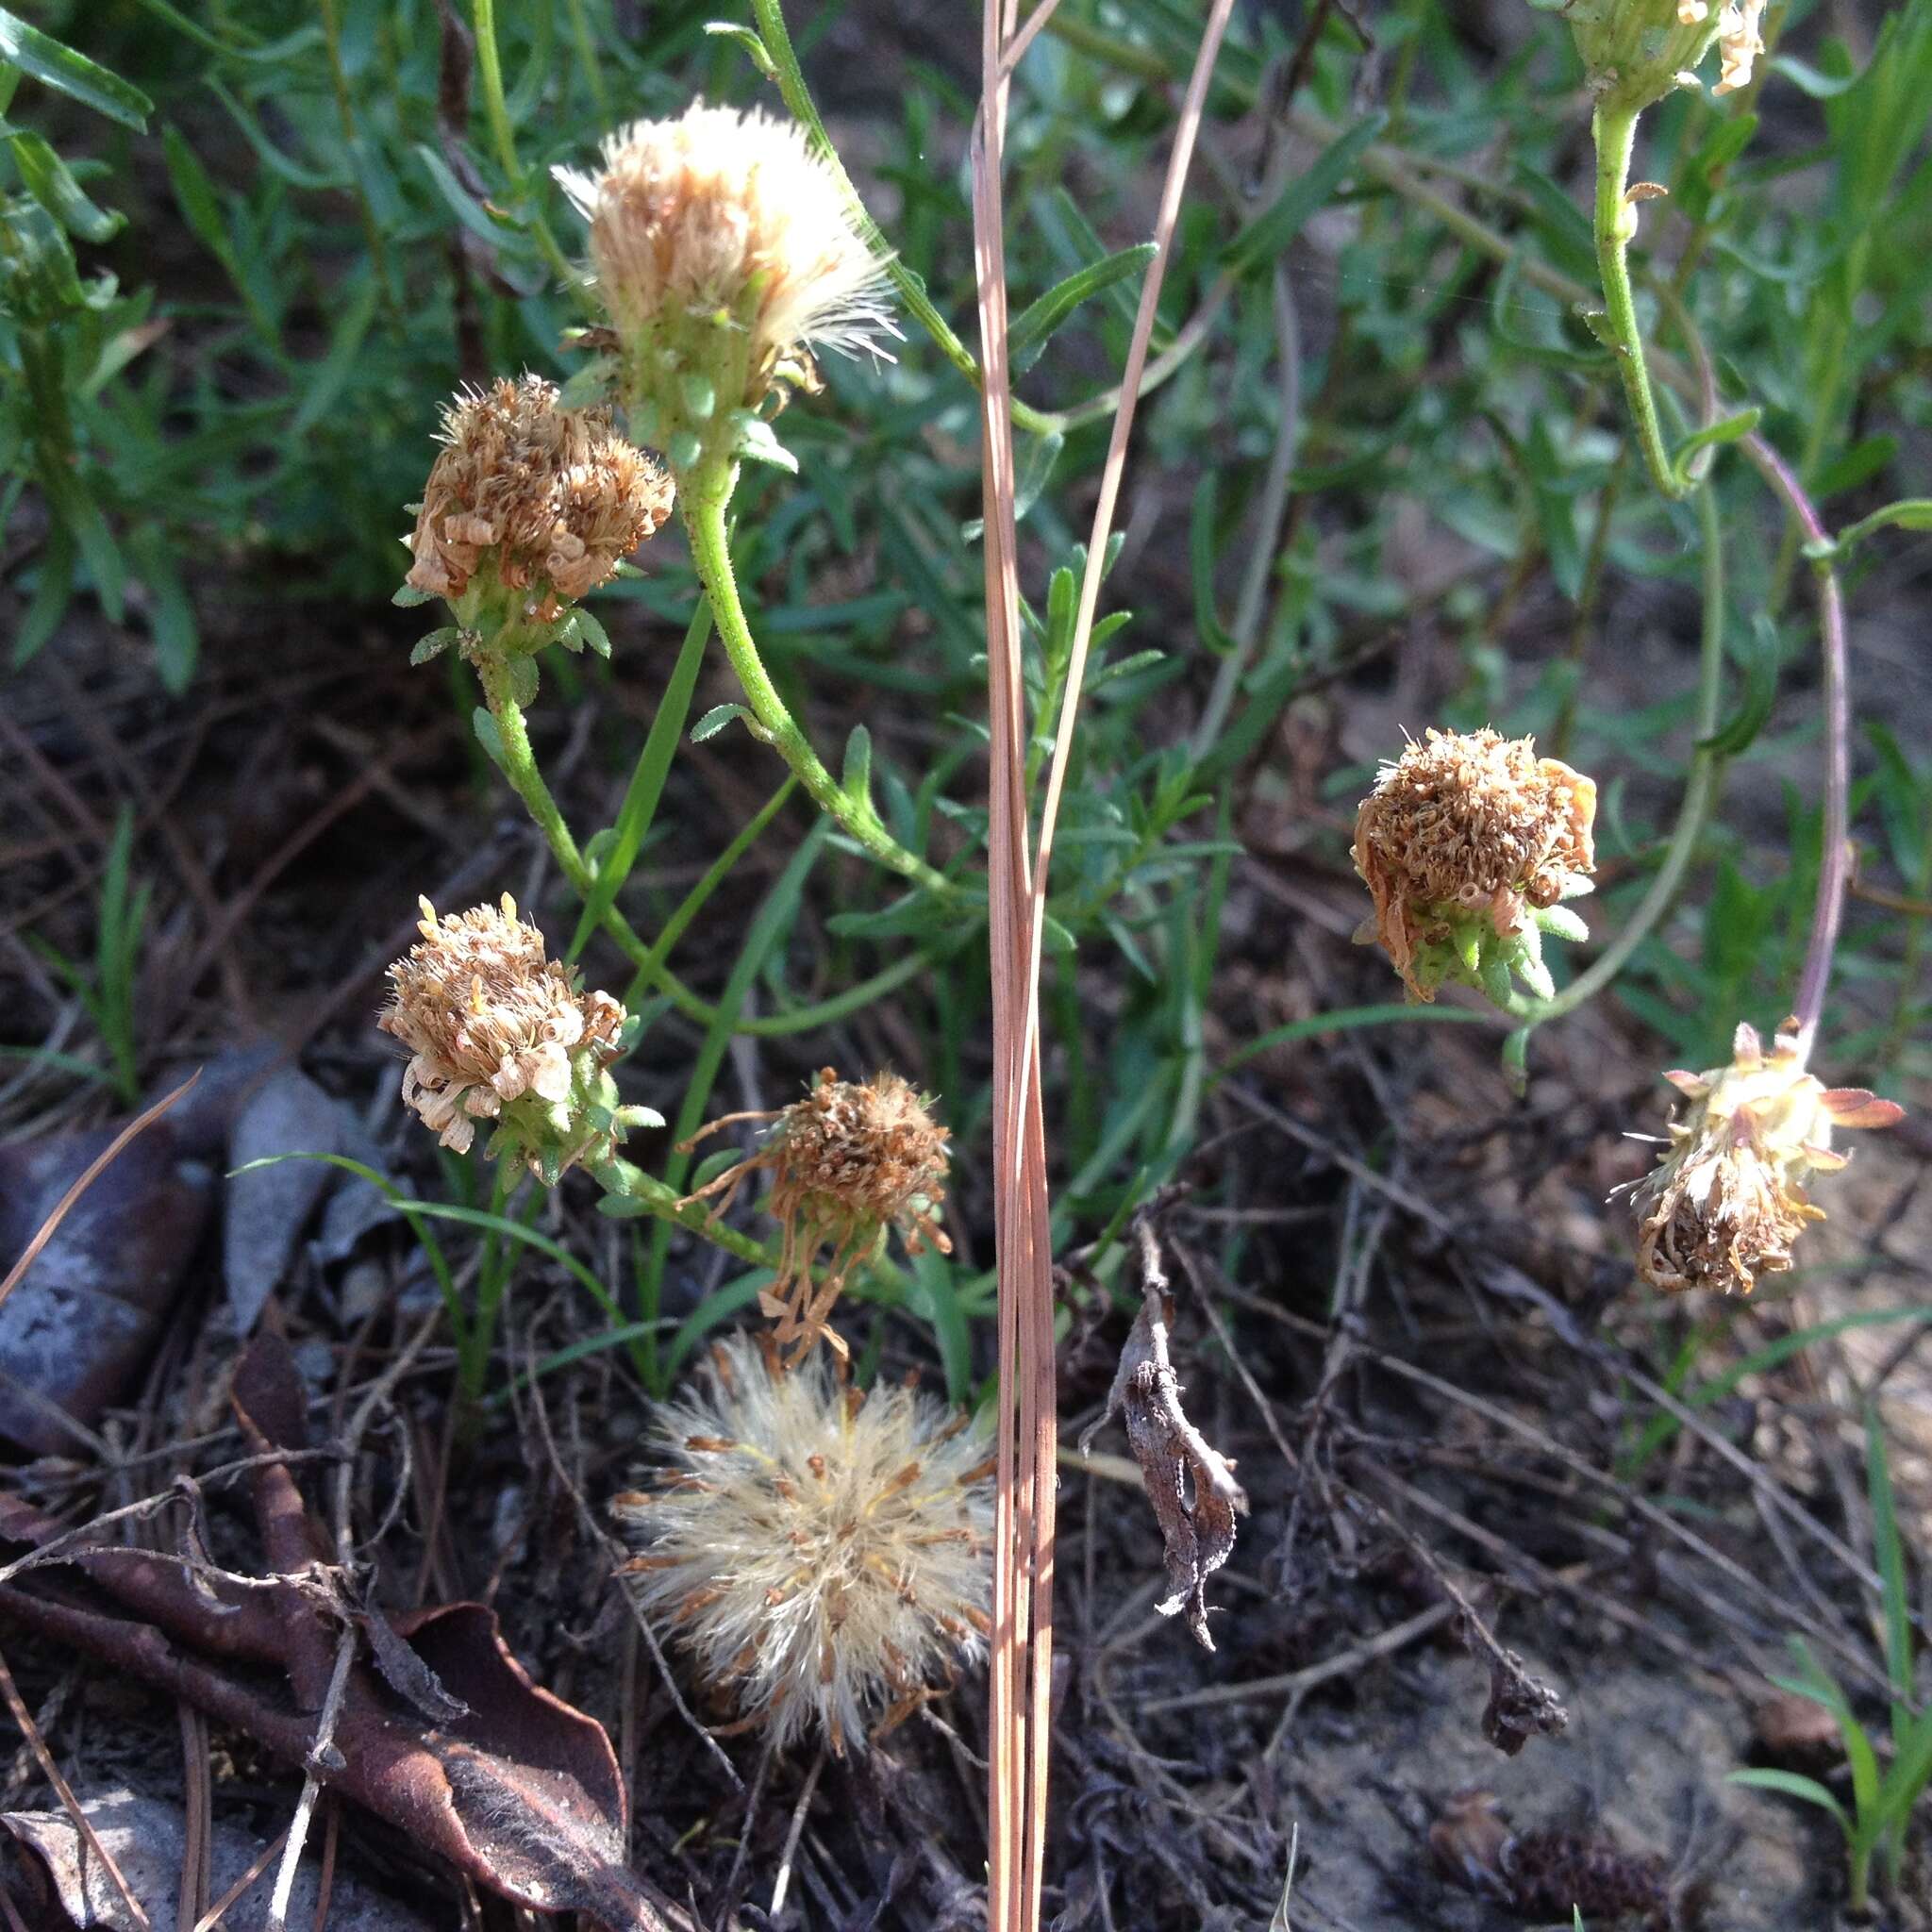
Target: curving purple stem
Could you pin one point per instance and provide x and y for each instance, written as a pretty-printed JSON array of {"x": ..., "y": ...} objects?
[{"x": 1834, "y": 863}]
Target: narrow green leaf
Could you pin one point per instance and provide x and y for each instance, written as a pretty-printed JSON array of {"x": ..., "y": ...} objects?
[
  {"x": 46, "y": 60},
  {"x": 1263, "y": 238},
  {"x": 732, "y": 30},
  {"x": 1729, "y": 430},
  {"x": 171, "y": 611},
  {"x": 1759, "y": 694},
  {"x": 715, "y": 720},
  {"x": 488, "y": 736},
  {"x": 646, "y": 787},
  {"x": 1795, "y": 1785},
  {"x": 45, "y": 176},
  {"x": 1035, "y": 326},
  {"x": 1889, "y": 1552}
]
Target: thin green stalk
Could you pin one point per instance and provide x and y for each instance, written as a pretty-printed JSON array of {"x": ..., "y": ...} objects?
[
  {"x": 790, "y": 77},
  {"x": 1616, "y": 224},
  {"x": 490, "y": 71},
  {"x": 345, "y": 112},
  {"x": 673, "y": 929},
  {"x": 586, "y": 58},
  {"x": 1700, "y": 789},
  {"x": 526, "y": 781},
  {"x": 703, "y": 495}
]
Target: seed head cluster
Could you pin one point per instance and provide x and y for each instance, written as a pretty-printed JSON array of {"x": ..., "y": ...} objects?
[
  {"x": 822, "y": 1555},
  {"x": 550, "y": 499},
  {"x": 487, "y": 1018},
  {"x": 1727, "y": 1200},
  {"x": 731, "y": 213},
  {"x": 848, "y": 1161},
  {"x": 1470, "y": 824}
]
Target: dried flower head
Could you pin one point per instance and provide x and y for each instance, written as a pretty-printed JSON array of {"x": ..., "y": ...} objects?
[
  {"x": 847, "y": 1162},
  {"x": 724, "y": 251},
  {"x": 1726, "y": 1202},
  {"x": 532, "y": 498},
  {"x": 497, "y": 1030},
  {"x": 1738, "y": 43},
  {"x": 823, "y": 1553},
  {"x": 1466, "y": 845}
]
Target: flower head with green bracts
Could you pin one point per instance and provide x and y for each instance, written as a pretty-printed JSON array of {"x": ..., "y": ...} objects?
[
  {"x": 499, "y": 1031},
  {"x": 1727, "y": 1199},
  {"x": 723, "y": 252},
  {"x": 1635, "y": 52},
  {"x": 1467, "y": 845},
  {"x": 528, "y": 507}
]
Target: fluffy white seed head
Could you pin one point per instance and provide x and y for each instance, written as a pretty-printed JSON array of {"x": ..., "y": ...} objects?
[
  {"x": 727, "y": 211},
  {"x": 823, "y": 1556}
]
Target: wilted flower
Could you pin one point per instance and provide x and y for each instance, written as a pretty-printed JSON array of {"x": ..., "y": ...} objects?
[
  {"x": 1466, "y": 845},
  {"x": 847, "y": 1162},
  {"x": 499, "y": 1031},
  {"x": 531, "y": 498},
  {"x": 821, "y": 1553},
  {"x": 725, "y": 250},
  {"x": 1728, "y": 1201},
  {"x": 1738, "y": 43}
]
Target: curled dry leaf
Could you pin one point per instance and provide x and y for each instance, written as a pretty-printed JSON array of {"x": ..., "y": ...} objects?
[
  {"x": 1190, "y": 1482},
  {"x": 453, "y": 1743},
  {"x": 1520, "y": 1706}
]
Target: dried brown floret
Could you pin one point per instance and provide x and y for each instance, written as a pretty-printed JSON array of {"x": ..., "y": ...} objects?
[
  {"x": 1468, "y": 834},
  {"x": 1727, "y": 1200},
  {"x": 532, "y": 498},
  {"x": 847, "y": 1162},
  {"x": 492, "y": 1023}
]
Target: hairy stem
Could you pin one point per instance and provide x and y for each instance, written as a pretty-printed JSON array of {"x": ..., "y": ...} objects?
[
  {"x": 703, "y": 495},
  {"x": 1616, "y": 224}
]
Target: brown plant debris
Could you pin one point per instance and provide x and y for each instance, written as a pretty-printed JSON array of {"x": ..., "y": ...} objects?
[
  {"x": 1190, "y": 1482},
  {"x": 1521, "y": 1707},
  {"x": 510, "y": 1786},
  {"x": 850, "y": 1161},
  {"x": 1546, "y": 1874}
]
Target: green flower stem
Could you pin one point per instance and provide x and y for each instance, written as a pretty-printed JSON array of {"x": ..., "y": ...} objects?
[
  {"x": 628, "y": 1182},
  {"x": 704, "y": 494},
  {"x": 490, "y": 71},
  {"x": 1616, "y": 224},
  {"x": 520, "y": 768},
  {"x": 1700, "y": 789}
]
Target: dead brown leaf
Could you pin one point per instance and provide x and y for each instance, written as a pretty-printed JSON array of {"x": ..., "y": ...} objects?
[
  {"x": 1190, "y": 1482},
  {"x": 443, "y": 1735}
]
